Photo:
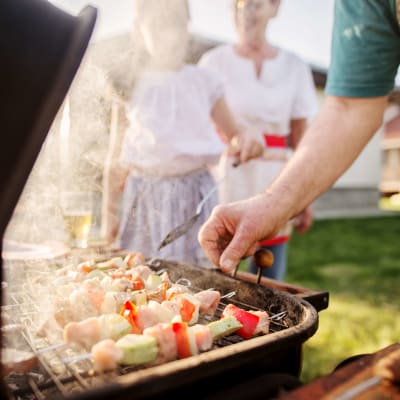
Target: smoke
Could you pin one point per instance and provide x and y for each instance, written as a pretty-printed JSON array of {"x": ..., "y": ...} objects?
[
  {"x": 76, "y": 150},
  {"x": 71, "y": 159},
  {"x": 77, "y": 146}
]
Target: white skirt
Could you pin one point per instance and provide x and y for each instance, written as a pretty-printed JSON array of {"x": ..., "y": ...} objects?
[
  {"x": 153, "y": 206},
  {"x": 249, "y": 179}
]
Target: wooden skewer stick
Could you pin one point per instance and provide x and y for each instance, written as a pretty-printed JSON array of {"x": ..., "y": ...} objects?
[{"x": 264, "y": 259}]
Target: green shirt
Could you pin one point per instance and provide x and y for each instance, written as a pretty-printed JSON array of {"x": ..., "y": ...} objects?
[{"x": 365, "y": 48}]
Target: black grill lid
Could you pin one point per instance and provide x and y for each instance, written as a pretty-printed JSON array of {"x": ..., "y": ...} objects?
[{"x": 41, "y": 48}]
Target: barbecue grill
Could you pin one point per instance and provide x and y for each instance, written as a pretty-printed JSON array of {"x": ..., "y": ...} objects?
[
  {"x": 234, "y": 367},
  {"x": 293, "y": 321}
]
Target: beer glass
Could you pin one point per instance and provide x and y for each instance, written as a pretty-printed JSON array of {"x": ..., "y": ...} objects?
[{"x": 77, "y": 213}]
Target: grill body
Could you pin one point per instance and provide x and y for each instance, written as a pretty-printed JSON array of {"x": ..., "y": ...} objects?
[{"x": 233, "y": 363}]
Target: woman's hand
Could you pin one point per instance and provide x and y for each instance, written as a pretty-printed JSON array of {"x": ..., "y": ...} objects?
[
  {"x": 245, "y": 147},
  {"x": 243, "y": 143}
]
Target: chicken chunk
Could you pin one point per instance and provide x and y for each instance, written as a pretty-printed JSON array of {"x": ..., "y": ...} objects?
[
  {"x": 209, "y": 300},
  {"x": 106, "y": 355},
  {"x": 165, "y": 337}
]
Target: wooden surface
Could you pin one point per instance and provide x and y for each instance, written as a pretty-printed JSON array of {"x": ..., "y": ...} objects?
[{"x": 331, "y": 386}]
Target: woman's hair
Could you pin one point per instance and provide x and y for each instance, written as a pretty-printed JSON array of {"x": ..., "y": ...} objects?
[
  {"x": 236, "y": 2},
  {"x": 235, "y": 5},
  {"x": 164, "y": 12},
  {"x": 134, "y": 61}
]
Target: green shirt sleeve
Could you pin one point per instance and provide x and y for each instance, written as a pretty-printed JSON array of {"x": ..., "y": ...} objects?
[{"x": 365, "y": 52}]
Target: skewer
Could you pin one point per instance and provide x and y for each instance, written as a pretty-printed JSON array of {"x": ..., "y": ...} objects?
[
  {"x": 161, "y": 271},
  {"x": 228, "y": 295},
  {"x": 153, "y": 262},
  {"x": 88, "y": 356},
  {"x": 263, "y": 258},
  {"x": 183, "y": 282},
  {"x": 278, "y": 317},
  {"x": 80, "y": 357},
  {"x": 274, "y": 317},
  {"x": 51, "y": 348},
  {"x": 61, "y": 345}
]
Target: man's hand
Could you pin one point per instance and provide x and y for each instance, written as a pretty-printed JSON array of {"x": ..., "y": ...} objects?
[{"x": 234, "y": 230}]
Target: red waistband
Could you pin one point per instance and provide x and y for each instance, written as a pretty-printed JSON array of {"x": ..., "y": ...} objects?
[
  {"x": 274, "y": 241},
  {"x": 275, "y": 140}
]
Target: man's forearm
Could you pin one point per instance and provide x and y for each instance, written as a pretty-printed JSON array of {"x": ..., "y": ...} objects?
[{"x": 328, "y": 148}]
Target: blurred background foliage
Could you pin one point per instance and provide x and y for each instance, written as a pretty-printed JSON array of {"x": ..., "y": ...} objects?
[{"x": 358, "y": 262}]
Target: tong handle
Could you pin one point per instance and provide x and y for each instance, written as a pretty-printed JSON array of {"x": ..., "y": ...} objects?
[
  {"x": 199, "y": 207},
  {"x": 264, "y": 259}
]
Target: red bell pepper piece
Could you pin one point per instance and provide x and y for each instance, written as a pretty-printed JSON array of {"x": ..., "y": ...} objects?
[
  {"x": 129, "y": 312},
  {"x": 187, "y": 309},
  {"x": 86, "y": 266},
  {"x": 137, "y": 282},
  {"x": 182, "y": 339},
  {"x": 129, "y": 259},
  {"x": 247, "y": 319}
]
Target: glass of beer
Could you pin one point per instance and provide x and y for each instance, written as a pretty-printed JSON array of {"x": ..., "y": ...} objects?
[{"x": 77, "y": 213}]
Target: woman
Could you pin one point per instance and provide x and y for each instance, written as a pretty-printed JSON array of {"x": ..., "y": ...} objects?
[
  {"x": 170, "y": 141},
  {"x": 269, "y": 90}
]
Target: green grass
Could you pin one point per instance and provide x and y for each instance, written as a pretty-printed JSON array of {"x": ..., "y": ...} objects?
[{"x": 358, "y": 262}]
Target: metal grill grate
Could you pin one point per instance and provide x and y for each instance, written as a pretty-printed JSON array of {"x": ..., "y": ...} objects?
[
  {"x": 63, "y": 377},
  {"x": 54, "y": 378}
]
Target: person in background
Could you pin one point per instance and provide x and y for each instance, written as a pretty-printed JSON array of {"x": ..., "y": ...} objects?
[
  {"x": 170, "y": 141},
  {"x": 271, "y": 91},
  {"x": 357, "y": 91}
]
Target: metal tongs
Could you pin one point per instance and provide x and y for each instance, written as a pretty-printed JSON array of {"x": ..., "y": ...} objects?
[{"x": 183, "y": 228}]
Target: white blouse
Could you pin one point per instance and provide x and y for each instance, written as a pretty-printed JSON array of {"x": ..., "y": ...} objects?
[
  {"x": 170, "y": 128},
  {"x": 263, "y": 104},
  {"x": 284, "y": 90}
]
